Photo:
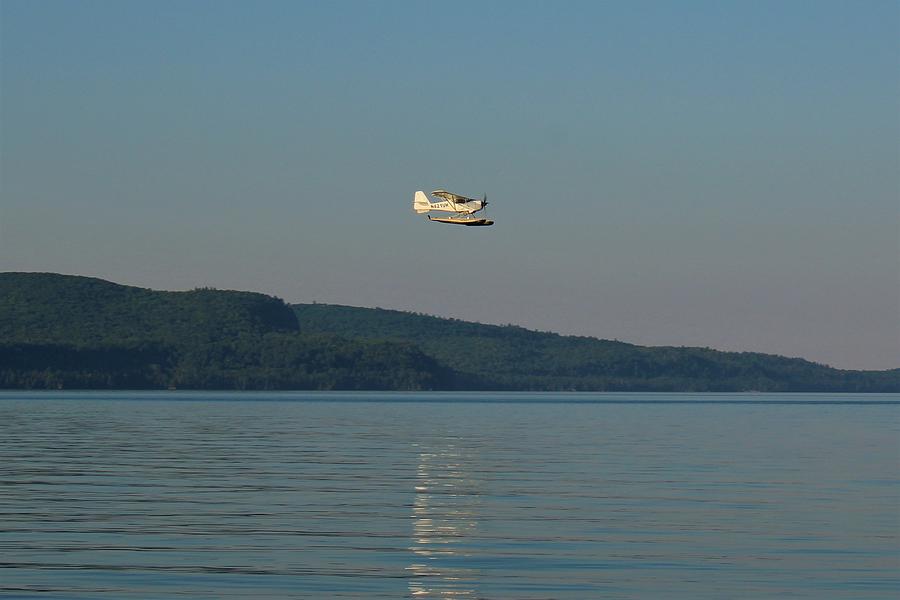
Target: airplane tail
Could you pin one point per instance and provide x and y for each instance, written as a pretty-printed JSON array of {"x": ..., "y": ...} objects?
[{"x": 420, "y": 203}]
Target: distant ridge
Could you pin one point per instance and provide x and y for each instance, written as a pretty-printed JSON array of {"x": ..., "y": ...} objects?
[
  {"x": 63, "y": 331},
  {"x": 511, "y": 357},
  {"x": 47, "y": 307}
]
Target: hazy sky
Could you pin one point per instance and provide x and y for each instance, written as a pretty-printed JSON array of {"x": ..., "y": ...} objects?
[{"x": 722, "y": 174}]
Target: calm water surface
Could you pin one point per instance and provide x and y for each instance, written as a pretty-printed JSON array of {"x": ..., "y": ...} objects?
[{"x": 219, "y": 495}]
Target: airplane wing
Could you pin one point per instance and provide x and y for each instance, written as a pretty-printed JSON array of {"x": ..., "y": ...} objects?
[{"x": 451, "y": 197}]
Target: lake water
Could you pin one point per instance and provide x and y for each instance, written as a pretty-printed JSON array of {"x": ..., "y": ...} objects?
[{"x": 577, "y": 496}]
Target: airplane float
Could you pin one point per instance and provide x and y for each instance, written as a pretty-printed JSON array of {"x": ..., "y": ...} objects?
[{"x": 463, "y": 208}]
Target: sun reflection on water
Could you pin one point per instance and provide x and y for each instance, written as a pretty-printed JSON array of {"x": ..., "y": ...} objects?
[{"x": 444, "y": 522}]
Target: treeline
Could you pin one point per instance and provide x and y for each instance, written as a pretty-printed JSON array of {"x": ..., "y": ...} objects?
[
  {"x": 269, "y": 362},
  {"x": 513, "y": 358},
  {"x": 60, "y": 331},
  {"x": 51, "y": 308},
  {"x": 69, "y": 332}
]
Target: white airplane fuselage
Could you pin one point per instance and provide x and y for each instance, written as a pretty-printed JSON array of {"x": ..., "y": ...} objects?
[
  {"x": 421, "y": 204},
  {"x": 466, "y": 208}
]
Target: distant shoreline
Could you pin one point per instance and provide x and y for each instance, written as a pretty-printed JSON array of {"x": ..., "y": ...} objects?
[
  {"x": 469, "y": 397},
  {"x": 62, "y": 332}
]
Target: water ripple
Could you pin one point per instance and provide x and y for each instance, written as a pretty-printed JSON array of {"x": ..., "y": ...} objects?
[{"x": 138, "y": 496}]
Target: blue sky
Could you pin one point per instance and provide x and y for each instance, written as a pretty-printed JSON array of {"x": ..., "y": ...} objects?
[{"x": 722, "y": 174}]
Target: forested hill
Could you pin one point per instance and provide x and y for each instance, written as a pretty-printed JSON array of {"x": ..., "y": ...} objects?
[
  {"x": 59, "y": 331},
  {"x": 51, "y": 308},
  {"x": 510, "y": 357}
]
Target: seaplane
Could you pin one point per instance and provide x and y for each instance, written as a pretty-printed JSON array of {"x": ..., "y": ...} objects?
[{"x": 463, "y": 208}]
